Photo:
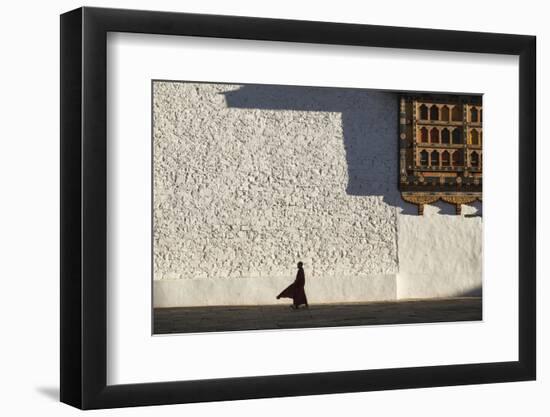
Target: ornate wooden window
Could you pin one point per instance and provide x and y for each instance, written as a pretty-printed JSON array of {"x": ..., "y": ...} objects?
[
  {"x": 445, "y": 113},
  {"x": 445, "y": 136},
  {"x": 441, "y": 154},
  {"x": 424, "y": 158},
  {"x": 434, "y": 135},
  {"x": 446, "y": 159},
  {"x": 434, "y": 113},
  {"x": 424, "y": 135},
  {"x": 457, "y": 158},
  {"x": 423, "y": 111},
  {"x": 457, "y": 136},
  {"x": 474, "y": 159},
  {"x": 474, "y": 137}
]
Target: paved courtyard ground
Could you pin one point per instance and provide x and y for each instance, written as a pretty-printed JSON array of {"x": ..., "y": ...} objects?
[{"x": 228, "y": 318}]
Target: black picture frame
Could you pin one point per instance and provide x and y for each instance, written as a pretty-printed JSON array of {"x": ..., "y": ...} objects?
[{"x": 83, "y": 311}]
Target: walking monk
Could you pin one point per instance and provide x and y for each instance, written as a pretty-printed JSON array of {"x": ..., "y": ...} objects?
[{"x": 296, "y": 290}]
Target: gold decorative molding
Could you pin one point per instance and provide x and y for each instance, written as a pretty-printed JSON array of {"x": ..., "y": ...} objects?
[
  {"x": 420, "y": 199},
  {"x": 457, "y": 200}
]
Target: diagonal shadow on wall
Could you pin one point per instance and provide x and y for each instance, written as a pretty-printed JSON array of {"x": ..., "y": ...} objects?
[{"x": 370, "y": 131}]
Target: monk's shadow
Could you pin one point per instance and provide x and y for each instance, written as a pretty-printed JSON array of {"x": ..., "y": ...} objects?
[{"x": 369, "y": 126}]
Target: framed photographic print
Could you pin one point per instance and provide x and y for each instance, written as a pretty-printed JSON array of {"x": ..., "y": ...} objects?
[{"x": 257, "y": 208}]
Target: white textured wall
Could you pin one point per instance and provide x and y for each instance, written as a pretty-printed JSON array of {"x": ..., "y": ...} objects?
[{"x": 250, "y": 179}]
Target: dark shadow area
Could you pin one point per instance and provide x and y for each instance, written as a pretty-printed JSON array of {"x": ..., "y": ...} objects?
[
  {"x": 474, "y": 292},
  {"x": 49, "y": 392},
  {"x": 265, "y": 317},
  {"x": 479, "y": 209},
  {"x": 444, "y": 208},
  {"x": 369, "y": 124}
]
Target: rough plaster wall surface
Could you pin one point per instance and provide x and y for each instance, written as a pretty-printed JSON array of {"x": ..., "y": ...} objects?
[{"x": 248, "y": 180}]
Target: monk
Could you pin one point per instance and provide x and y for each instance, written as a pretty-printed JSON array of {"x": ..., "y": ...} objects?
[{"x": 296, "y": 289}]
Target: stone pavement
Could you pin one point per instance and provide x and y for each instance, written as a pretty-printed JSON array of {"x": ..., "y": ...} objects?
[{"x": 228, "y": 318}]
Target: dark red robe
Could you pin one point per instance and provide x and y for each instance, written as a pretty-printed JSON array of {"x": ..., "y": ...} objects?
[{"x": 296, "y": 290}]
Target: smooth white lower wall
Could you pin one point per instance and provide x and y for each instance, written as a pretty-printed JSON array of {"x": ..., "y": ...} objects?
[
  {"x": 440, "y": 255},
  {"x": 254, "y": 291}
]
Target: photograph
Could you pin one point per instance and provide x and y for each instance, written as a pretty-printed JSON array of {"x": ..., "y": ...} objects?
[
  {"x": 293, "y": 207},
  {"x": 260, "y": 209}
]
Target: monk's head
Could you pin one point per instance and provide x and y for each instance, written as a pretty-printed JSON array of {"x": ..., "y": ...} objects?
[{"x": 300, "y": 265}]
